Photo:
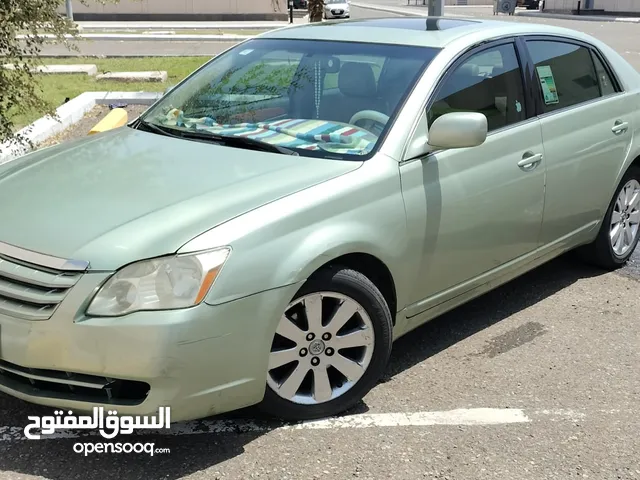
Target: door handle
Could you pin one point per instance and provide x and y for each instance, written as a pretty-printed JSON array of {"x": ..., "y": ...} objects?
[
  {"x": 530, "y": 161},
  {"x": 620, "y": 127}
]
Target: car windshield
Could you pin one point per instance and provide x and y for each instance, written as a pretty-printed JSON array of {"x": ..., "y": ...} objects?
[{"x": 316, "y": 98}]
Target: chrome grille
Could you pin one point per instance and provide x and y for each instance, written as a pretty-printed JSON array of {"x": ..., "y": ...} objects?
[{"x": 32, "y": 292}]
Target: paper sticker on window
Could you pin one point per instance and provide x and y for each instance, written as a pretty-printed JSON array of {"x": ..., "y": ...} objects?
[
  {"x": 246, "y": 52},
  {"x": 548, "y": 84}
]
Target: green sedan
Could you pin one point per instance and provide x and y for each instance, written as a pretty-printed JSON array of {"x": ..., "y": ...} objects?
[{"x": 264, "y": 232}]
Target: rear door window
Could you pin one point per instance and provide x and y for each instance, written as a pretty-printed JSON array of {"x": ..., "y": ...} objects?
[{"x": 566, "y": 73}]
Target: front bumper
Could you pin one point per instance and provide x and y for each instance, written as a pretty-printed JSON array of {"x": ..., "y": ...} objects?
[
  {"x": 200, "y": 361},
  {"x": 336, "y": 14}
]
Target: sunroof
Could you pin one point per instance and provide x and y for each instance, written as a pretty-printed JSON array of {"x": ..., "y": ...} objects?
[{"x": 424, "y": 24}]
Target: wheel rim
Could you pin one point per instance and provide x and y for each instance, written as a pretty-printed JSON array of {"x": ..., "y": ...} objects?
[
  {"x": 625, "y": 218},
  {"x": 323, "y": 345}
]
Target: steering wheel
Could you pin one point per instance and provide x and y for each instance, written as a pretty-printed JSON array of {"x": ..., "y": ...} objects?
[{"x": 372, "y": 118}]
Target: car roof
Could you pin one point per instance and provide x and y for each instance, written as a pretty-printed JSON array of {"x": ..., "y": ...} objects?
[{"x": 436, "y": 32}]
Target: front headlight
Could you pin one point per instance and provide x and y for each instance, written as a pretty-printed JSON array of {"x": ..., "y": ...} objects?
[{"x": 166, "y": 283}]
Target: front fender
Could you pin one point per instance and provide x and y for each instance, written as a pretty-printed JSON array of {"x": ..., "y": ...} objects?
[{"x": 284, "y": 242}]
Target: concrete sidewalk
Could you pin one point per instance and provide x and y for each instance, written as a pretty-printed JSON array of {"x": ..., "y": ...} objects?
[
  {"x": 584, "y": 18},
  {"x": 470, "y": 11},
  {"x": 466, "y": 11}
]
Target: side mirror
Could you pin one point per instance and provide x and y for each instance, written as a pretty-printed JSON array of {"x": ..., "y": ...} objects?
[{"x": 458, "y": 130}]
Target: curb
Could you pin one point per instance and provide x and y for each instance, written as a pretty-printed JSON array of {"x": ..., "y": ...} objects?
[
  {"x": 581, "y": 18},
  {"x": 68, "y": 114},
  {"x": 80, "y": 69},
  {"x": 400, "y": 11},
  {"x": 115, "y": 118}
]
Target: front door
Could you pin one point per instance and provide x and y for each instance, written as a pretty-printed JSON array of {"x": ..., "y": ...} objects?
[{"x": 472, "y": 210}]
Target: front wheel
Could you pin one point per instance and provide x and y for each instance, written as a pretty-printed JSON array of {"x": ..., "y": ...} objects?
[
  {"x": 619, "y": 233},
  {"x": 330, "y": 348}
]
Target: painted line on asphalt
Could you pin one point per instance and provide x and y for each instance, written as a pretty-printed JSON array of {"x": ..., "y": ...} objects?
[{"x": 459, "y": 417}]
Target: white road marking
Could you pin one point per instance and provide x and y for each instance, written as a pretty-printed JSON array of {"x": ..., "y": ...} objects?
[{"x": 465, "y": 416}]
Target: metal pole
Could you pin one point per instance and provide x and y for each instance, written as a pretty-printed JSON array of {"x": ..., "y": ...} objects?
[
  {"x": 69, "y": 10},
  {"x": 436, "y": 8},
  {"x": 290, "y": 11}
]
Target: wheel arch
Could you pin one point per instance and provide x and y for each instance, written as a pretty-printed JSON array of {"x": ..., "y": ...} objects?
[{"x": 371, "y": 267}]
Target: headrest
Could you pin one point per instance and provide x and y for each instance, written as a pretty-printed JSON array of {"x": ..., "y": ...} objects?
[
  {"x": 357, "y": 80},
  {"x": 468, "y": 69}
]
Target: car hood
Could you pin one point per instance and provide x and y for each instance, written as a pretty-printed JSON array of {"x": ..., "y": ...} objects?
[{"x": 124, "y": 195}]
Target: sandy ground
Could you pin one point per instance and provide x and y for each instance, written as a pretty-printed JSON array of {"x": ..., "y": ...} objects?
[{"x": 92, "y": 117}]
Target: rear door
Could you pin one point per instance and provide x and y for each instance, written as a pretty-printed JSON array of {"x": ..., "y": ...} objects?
[{"x": 586, "y": 130}]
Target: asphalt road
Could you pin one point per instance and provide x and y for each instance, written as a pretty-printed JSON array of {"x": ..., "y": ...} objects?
[
  {"x": 557, "y": 349},
  {"x": 619, "y": 35},
  {"x": 162, "y": 48},
  {"x": 558, "y": 346}
]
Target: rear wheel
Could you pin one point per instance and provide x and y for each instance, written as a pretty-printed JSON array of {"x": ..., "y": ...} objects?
[
  {"x": 330, "y": 348},
  {"x": 619, "y": 233}
]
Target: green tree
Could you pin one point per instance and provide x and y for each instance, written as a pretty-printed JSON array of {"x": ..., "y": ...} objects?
[
  {"x": 316, "y": 8},
  {"x": 25, "y": 27}
]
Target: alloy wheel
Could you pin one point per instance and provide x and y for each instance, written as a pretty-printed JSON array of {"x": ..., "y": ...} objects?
[
  {"x": 323, "y": 345},
  {"x": 625, "y": 218}
]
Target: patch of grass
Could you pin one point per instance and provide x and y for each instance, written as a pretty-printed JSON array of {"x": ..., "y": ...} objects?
[{"x": 56, "y": 88}]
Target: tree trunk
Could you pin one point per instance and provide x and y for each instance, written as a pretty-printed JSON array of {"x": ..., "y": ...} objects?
[{"x": 316, "y": 8}]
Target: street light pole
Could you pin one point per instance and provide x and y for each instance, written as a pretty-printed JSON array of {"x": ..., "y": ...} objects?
[
  {"x": 436, "y": 8},
  {"x": 69, "y": 10}
]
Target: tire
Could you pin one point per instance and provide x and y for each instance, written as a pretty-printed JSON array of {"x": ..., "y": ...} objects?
[
  {"x": 601, "y": 253},
  {"x": 351, "y": 286}
]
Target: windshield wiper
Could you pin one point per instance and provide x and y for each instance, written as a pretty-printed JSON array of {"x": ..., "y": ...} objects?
[
  {"x": 216, "y": 138},
  {"x": 232, "y": 140},
  {"x": 155, "y": 128}
]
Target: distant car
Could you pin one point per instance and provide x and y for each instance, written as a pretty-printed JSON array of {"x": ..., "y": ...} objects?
[
  {"x": 337, "y": 9},
  {"x": 529, "y": 4},
  {"x": 300, "y": 4},
  {"x": 267, "y": 230}
]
